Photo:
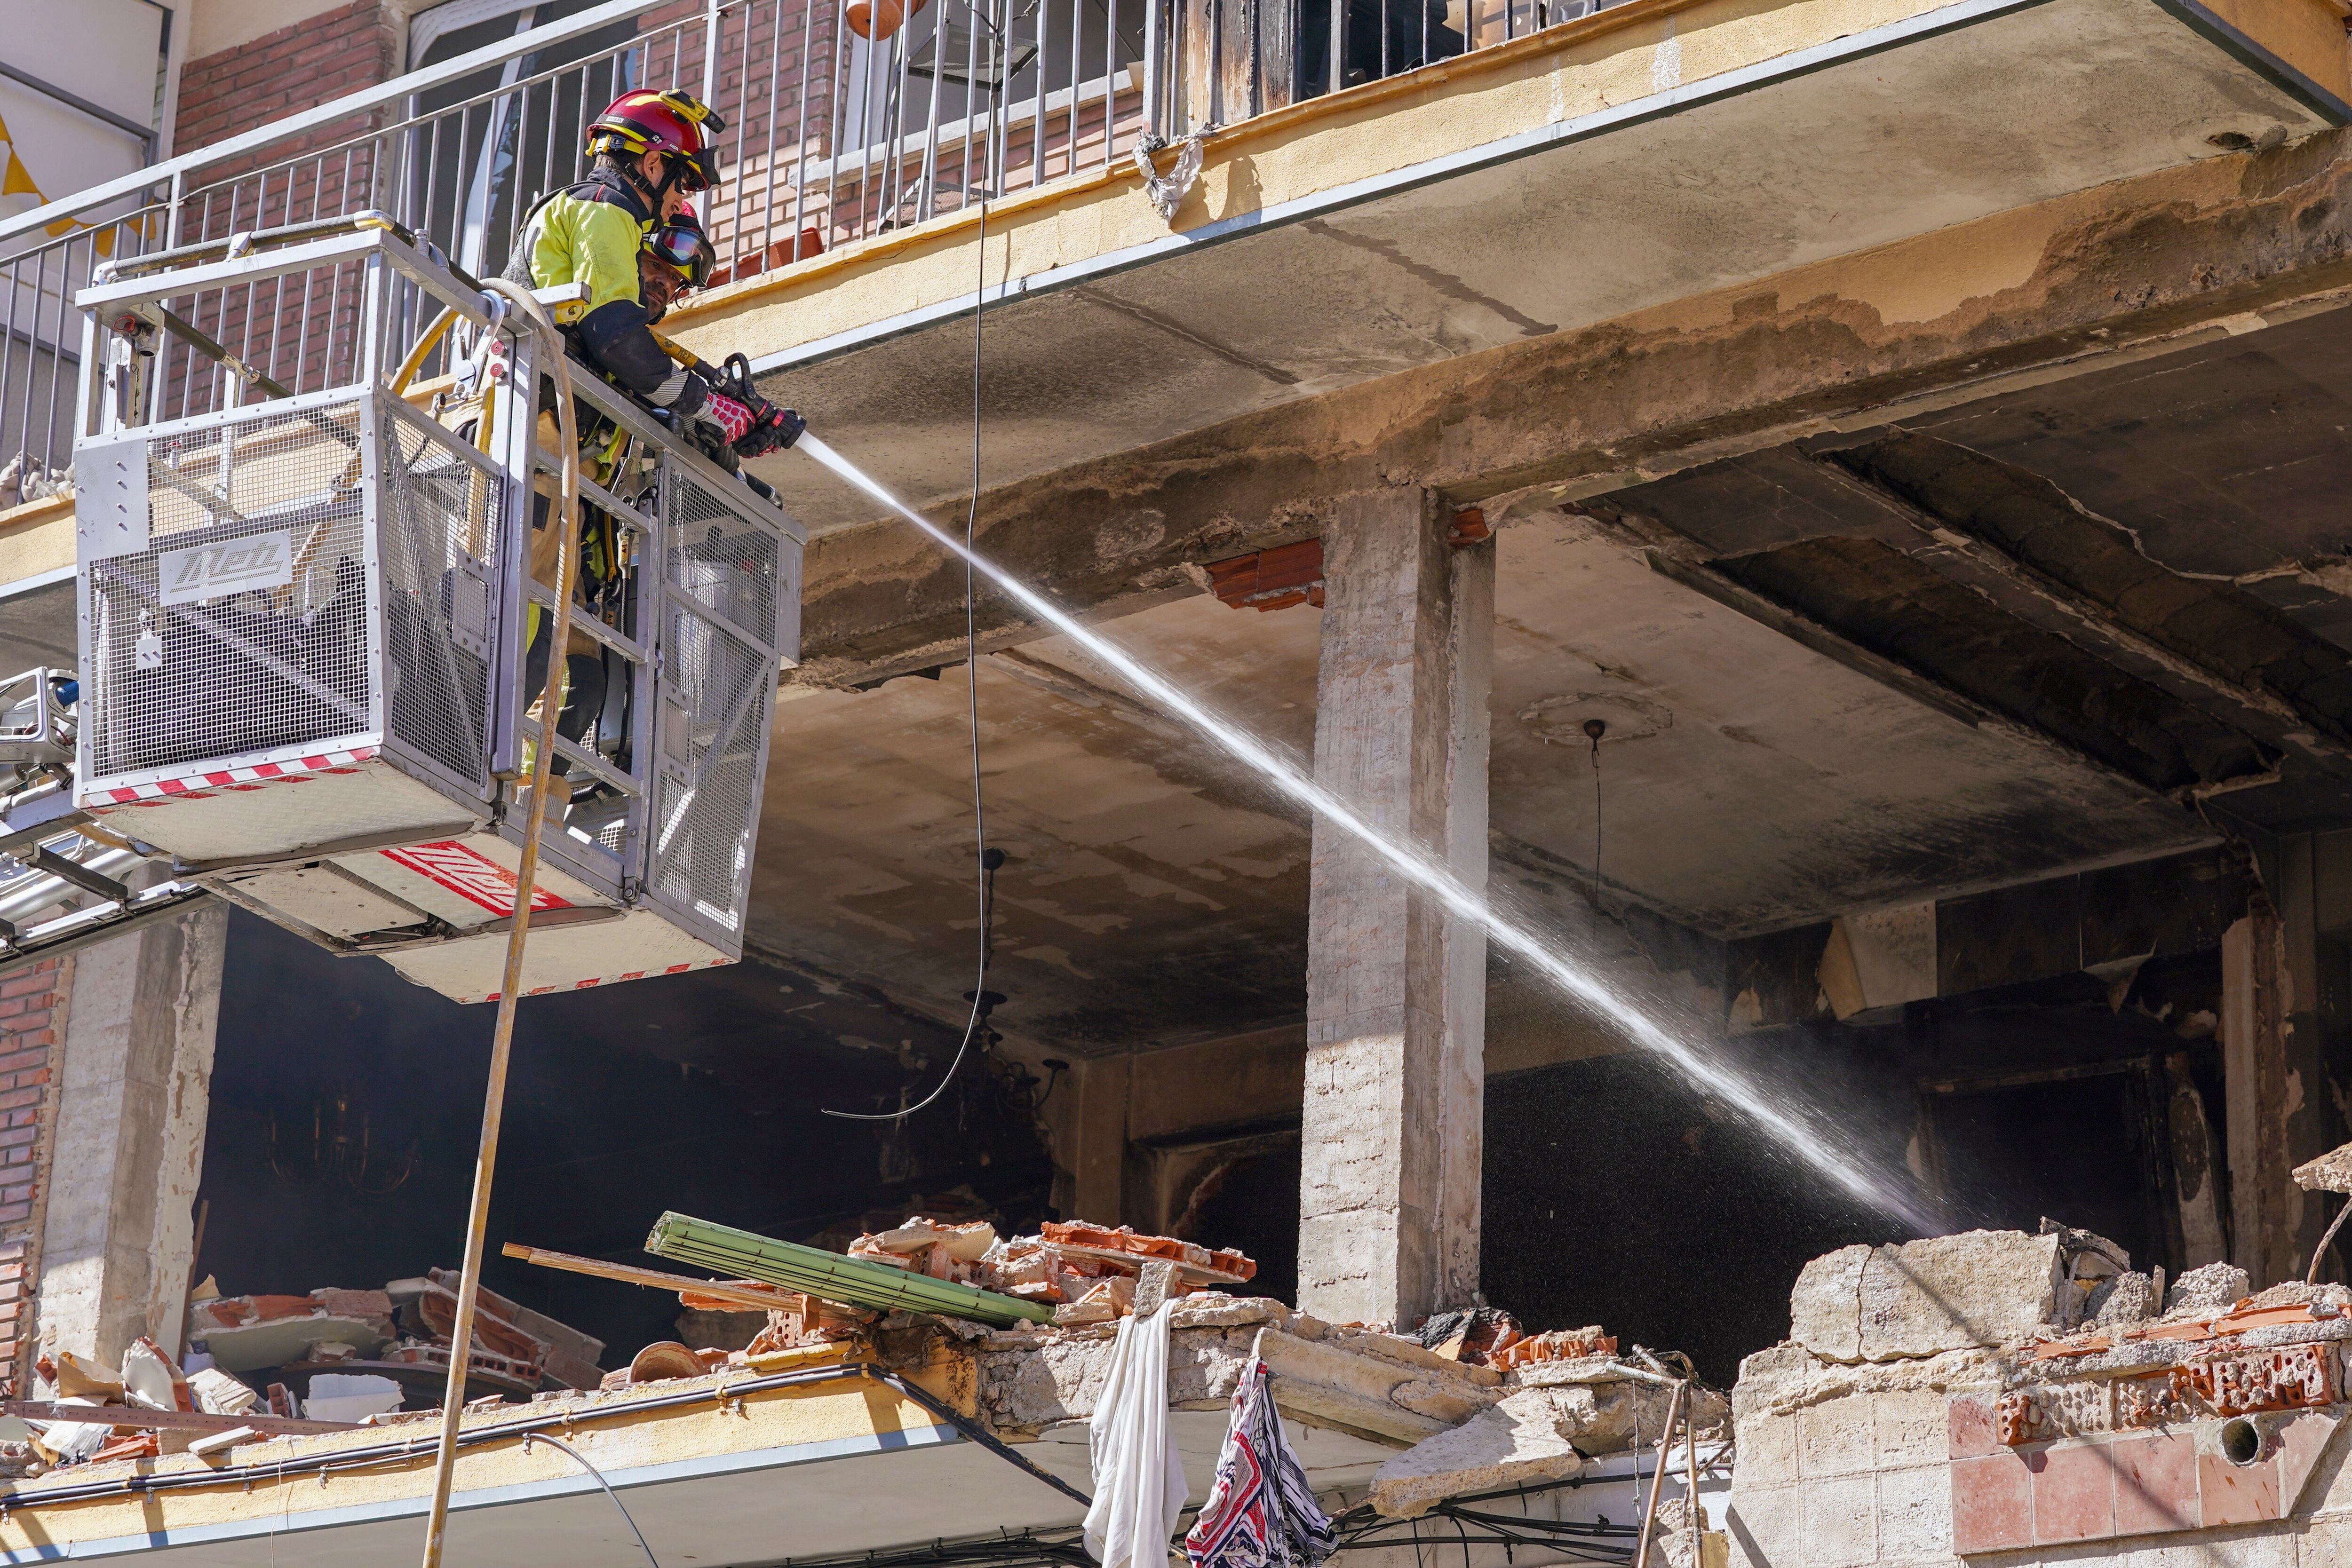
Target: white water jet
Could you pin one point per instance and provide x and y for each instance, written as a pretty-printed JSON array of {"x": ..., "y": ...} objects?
[{"x": 1425, "y": 872}]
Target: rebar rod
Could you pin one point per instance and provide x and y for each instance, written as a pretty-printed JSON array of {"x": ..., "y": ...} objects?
[{"x": 1658, "y": 1477}]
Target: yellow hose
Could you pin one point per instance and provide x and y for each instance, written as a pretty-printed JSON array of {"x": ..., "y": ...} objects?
[{"x": 425, "y": 346}]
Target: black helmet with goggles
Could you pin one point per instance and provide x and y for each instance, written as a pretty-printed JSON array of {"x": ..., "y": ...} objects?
[{"x": 680, "y": 244}]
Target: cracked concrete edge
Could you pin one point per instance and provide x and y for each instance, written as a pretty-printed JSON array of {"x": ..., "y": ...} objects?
[{"x": 2122, "y": 273}]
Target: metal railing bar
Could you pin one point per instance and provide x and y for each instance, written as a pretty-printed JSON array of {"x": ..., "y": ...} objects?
[
  {"x": 329, "y": 113},
  {"x": 35, "y": 345},
  {"x": 226, "y": 273},
  {"x": 636, "y": 653},
  {"x": 800, "y": 164},
  {"x": 623, "y": 513},
  {"x": 580, "y": 757}
]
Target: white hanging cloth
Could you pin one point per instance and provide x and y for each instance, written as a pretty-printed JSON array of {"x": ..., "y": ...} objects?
[{"x": 1140, "y": 1483}]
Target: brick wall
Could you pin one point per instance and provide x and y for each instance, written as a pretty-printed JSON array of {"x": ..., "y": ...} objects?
[
  {"x": 339, "y": 50},
  {"x": 32, "y": 1007},
  {"x": 290, "y": 328}
]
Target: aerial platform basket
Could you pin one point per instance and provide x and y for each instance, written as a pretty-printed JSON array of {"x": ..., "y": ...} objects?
[{"x": 305, "y": 627}]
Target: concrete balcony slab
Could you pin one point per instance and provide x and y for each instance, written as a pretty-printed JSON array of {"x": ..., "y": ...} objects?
[{"x": 1653, "y": 152}]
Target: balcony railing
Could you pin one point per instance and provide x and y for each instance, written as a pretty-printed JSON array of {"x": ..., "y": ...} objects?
[{"x": 845, "y": 118}]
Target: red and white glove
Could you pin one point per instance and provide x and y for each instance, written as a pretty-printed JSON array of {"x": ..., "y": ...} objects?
[{"x": 727, "y": 414}]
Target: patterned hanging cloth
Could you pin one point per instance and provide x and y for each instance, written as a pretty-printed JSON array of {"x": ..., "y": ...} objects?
[{"x": 1261, "y": 1513}]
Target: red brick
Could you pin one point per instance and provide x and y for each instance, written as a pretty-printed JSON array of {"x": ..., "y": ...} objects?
[
  {"x": 24, "y": 985},
  {"x": 21, "y": 1058}
]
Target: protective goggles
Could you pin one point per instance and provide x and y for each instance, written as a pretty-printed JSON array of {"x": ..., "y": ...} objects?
[
  {"x": 696, "y": 170},
  {"x": 683, "y": 248}
]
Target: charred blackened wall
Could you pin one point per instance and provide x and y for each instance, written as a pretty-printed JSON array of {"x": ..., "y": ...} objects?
[{"x": 346, "y": 1103}]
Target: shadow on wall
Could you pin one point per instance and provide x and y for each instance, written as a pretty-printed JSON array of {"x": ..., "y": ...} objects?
[{"x": 347, "y": 1106}]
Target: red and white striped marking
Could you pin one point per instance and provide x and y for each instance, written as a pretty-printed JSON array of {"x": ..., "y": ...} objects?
[
  {"x": 201, "y": 786},
  {"x": 470, "y": 876},
  {"x": 615, "y": 980}
]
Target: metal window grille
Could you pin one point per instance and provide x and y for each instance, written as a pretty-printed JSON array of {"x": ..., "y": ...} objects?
[
  {"x": 439, "y": 521},
  {"x": 718, "y": 691}
]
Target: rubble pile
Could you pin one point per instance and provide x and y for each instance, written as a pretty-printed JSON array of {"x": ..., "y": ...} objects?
[
  {"x": 401, "y": 1332},
  {"x": 2050, "y": 1390},
  {"x": 1086, "y": 1272},
  {"x": 149, "y": 1379}
]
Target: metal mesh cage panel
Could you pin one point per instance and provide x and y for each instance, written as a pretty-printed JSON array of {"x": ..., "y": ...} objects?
[
  {"x": 243, "y": 627},
  {"x": 438, "y": 517},
  {"x": 717, "y": 693},
  {"x": 719, "y": 560}
]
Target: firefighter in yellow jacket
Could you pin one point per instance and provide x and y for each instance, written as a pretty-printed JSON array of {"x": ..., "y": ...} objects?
[
  {"x": 628, "y": 236},
  {"x": 650, "y": 152}
]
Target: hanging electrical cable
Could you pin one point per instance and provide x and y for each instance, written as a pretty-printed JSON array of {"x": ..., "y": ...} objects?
[
  {"x": 988, "y": 860},
  {"x": 531, "y": 1438},
  {"x": 1594, "y": 728}
]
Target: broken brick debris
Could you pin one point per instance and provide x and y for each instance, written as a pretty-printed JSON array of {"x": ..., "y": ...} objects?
[
  {"x": 2114, "y": 1419},
  {"x": 406, "y": 1324},
  {"x": 1474, "y": 1335},
  {"x": 1125, "y": 1240},
  {"x": 1086, "y": 1273},
  {"x": 1556, "y": 1345},
  {"x": 1270, "y": 578},
  {"x": 429, "y": 1306}
]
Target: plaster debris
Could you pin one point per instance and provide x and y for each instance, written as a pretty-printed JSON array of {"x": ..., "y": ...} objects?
[
  {"x": 2331, "y": 1172},
  {"x": 1923, "y": 1298},
  {"x": 2213, "y": 1289},
  {"x": 1528, "y": 1436},
  {"x": 247, "y": 1333},
  {"x": 2128, "y": 1298}
]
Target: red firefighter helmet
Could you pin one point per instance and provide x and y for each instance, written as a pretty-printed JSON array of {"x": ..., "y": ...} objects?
[{"x": 674, "y": 124}]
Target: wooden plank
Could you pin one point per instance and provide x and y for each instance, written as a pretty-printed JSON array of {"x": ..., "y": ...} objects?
[
  {"x": 133, "y": 1418},
  {"x": 749, "y": 1297}
]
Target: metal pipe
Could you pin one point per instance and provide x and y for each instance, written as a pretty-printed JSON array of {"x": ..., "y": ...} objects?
[
  {"x": 48, "y": 889},
  {"x": 800, "y": 138},
  {"x": 1658, "y": 1477},
  {"x": 478, "y": 1218}
]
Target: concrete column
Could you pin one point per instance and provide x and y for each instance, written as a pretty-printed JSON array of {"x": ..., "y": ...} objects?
[
  {"x": 1393, "y": 1127},
  {"x": 1090, "y": 1142},
  {"x": 2284, "y": 1043},
  {"x": 135, "y": 1078}
]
